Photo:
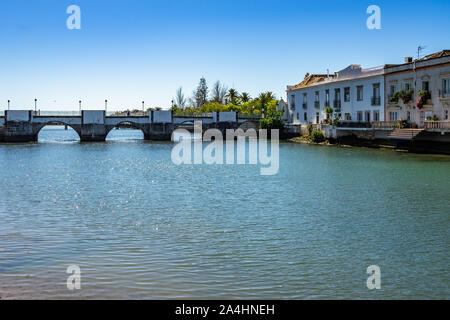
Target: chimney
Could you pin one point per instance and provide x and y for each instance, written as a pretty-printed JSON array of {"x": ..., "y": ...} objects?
[{"x": 408, "y": 59}]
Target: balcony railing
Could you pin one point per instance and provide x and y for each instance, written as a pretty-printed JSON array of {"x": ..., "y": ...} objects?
[
  {"x": 317, "y": 104},
  {"x": 376, "y": 101}
]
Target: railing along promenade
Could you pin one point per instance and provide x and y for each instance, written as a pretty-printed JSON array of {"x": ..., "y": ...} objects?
[{"x": 437, "y": 125}]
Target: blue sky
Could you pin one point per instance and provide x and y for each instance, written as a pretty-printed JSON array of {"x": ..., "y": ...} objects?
[{"x": 135, "y": 50}]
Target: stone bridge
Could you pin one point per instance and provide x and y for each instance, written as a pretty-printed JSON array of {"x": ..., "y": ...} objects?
[{"x": 94, "y": 125}]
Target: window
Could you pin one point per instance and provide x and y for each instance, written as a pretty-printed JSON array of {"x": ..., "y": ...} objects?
[
  {"x": 359, "y": 93},
  {"x": 347, "y": 94},
  {"x": 393, "y": 90},
  {"x": 293, "y": 101},
  {"x": 305, "y": 100},
  {"x": 376, "y": 116},
  {"x": 425, "y": 85},
  {"x": 317, "y": 117},
  {"x": 367, "y": 116},
  {"x": 360, "y": 116},
  {"x": 376, "y": 98},
  {"x": 327, "y": 98},
  {"x": 317, "y": 100},
  {"x": 298, "y": 116},
  {"x": 348, "y": 117},
  {"x": 407, "y": 86},
  {"x": 445, "y": 86},
  {"x": 337, "y": 99},
  {"x": 408, "y": 115},
  {"x": 305, "y": 117},
  {"x": 337, "y": 94},
  {"x": 393, "y": 116},
  {"x": 446, "y": 115},
  {"x": 376, "y": 90}
]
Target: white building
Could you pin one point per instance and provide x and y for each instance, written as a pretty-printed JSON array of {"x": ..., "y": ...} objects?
[
  {"x": 430, "y": 75},
  {"x": 354, "y": 94},
  {"x": 283, "y": 107}
]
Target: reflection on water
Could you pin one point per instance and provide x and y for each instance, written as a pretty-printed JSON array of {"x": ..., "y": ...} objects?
[{"x": 141, "y": 227}]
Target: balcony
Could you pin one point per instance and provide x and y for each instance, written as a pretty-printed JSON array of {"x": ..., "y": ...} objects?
[
  {"x": 317, "y": 104},
  {"x": 305, "y": 105},
  {"x": 393, "y": 98},
  {"x": 376, "y": 101},
  {"x": 337, "y": 105}
]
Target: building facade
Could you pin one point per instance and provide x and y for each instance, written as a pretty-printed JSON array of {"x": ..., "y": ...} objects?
[
  {"x": 354, "y": 94},
  {"x": 416, "y": 91},
  {"x": 419, "y": 91}
]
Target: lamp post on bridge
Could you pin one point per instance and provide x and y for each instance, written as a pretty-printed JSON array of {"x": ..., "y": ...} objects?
[
  {"x": 106, "y": 107},
  {"x": 8, "y": 104},
  {"x": 79, "y": 106},
  {"x": 143, "y": 106},
  {"x": 35, "y": 106}
]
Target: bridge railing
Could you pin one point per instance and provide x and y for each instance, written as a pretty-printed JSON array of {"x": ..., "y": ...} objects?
[
  {"x": 41, "y": 113},
  {"x": 183, "y": 114},
  {"x": 249, "y": 116}
]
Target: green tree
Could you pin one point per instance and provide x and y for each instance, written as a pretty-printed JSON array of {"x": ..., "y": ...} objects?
[
  {"x": 232, "y": 96},
  {"x": 245, "y": 97},
  {"x": 201, "y": 94},
  {"x": 264, "y": 99}
]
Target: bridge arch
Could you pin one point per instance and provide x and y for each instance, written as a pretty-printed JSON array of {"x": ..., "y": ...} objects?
[
  {"x": 127, "y": 124},
  {"x": 37, "y": 129}
]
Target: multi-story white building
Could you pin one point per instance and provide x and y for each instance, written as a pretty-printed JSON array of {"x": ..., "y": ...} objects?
[
  {"x": 354, "y": 94},
  {"x": 426, "y": 79}
]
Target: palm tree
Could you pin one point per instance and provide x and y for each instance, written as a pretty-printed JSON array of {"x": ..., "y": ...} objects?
[
  {"x": 264, "y": 99},
  {"x": 232, "y": 96},
  {"x": 245, "y": 97}
]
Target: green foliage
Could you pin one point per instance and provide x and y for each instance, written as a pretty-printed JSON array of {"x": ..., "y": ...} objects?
[
  {"x": 329, "y": 110},
  {"x": 317, "y": 136},
  {"x": 395, "y": 97},
  {"x": 406, "y": 96},
  {"x": 271, "y": 123}
]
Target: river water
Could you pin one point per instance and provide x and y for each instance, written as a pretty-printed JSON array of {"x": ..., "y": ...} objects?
[{"x": 140, "y": 227}]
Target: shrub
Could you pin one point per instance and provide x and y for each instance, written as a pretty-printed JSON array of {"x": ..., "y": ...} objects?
[
  {"x": 271, "y": 123},
  {"x": 317, "y": 136}
]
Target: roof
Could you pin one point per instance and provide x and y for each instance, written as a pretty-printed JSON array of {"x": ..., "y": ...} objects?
[
  {"x": 436, "y": 55},
  {"x": 352, "y": 72},
  {"x": 310, "y": 80},
  {"x": 440, "y": 54}
]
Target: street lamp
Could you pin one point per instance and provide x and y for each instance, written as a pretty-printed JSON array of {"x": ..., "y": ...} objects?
[
  {"x": 106, "y": 106},
  {"x": 172, "y": 103},
  {"x": 143, "y": 106},
  {"x": 8, "y": 104},
  {"x": 35, "y": 106},
  {"x": 79, "y": 105}
]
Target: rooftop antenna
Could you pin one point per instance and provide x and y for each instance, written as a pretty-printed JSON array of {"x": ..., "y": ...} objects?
[{"x": 419, "y": 50}]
